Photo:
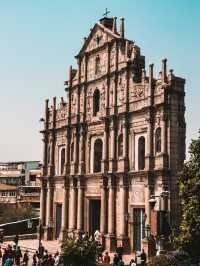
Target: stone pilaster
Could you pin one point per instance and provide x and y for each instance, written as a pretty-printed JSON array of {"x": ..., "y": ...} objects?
[
  {"x": 82, "y": 151},
  {"x": 113, "y": 142},
  {"x": 74, "y": 164},
  {"x": 67, "y": 152},
  {"x": 149, "y": 162},
  {"x": 49, "y": 210},
  {"x": 103, "y": 215},
  {"x": 105, "y": 147},
  {"x": 72, "y": 205},
  {"x": 65, "y": 210},
  {"x": 123, "y": 238},
  {"x": 111, "y": 238},
  {"x": 80, "y": 207},
  {"x": 43, "y": 203},
  {"x": 45, "y": 150},
  {"x": 125, "y": 164}
]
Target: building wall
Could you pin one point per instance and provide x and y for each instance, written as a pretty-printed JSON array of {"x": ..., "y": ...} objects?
[{"x": 133, "y": 105}]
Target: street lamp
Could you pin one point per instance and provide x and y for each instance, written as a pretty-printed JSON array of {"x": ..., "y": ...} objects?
[{"x": 162, "y": 211}]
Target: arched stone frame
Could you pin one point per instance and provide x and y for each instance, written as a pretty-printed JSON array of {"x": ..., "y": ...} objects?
[
  {"x": 141, "y": 152},
  {"x": 61, "y": 159},
  {"x": 96, "y": 101},
  {"x": 158, "y": 140},
  {"x": 132, "y": 149},
  {"x": 92, "y": 142},
  {"x": 137, "y": 136},
  {"x": 97, "y": 65}
]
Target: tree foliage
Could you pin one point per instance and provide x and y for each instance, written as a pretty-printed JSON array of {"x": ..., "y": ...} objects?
[
  {"x": 163, "y": 260},
  {"x": 10, "y": 213},
  {"x": 78, "y": 252},
  {"x": 189, "y": 186}
]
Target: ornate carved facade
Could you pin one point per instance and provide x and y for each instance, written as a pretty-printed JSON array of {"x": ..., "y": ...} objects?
[{"x": 115, "y": 142}]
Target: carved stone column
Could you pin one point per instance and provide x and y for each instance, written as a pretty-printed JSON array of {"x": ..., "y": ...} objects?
[
  {"x": 43, "y": 203},
  {"x": 149, "y": 162},
  {"x": 49, "y": 208},
  {"x": 67, "y": 152},
  {"x": 164, "y": 152},
  {"x": 65, "y": 208},
  {"x": 73, "y": 206},
  {"x": 74, "y": 164},
  {"x": 123, "y": 239},
  {"x": 80, "y": 210},
  {"x": 103, "y": 218},
  {"x": 111, "y": 214},
  {"x": 45, "y": 138},
  {"x": 82, "y": 152},
  {"x": 113, "y": 134},
  {"x": 45, "y": 145},
  {"x": 125, "y": 145},
  {"x": 105, "y": 148}
]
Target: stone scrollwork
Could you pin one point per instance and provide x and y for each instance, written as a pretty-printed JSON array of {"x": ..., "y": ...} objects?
[{"x": 137, "y": 92}]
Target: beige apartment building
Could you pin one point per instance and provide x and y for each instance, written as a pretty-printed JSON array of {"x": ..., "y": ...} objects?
[{"x": 114, "y": 142}]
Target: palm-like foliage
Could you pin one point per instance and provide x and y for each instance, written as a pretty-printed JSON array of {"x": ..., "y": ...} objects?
[{"x": 78, "y": 252}]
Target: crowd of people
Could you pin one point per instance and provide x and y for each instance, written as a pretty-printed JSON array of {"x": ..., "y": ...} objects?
[
  {"x": 104, "y": 257},
  {"x": 12, "y": 255}
]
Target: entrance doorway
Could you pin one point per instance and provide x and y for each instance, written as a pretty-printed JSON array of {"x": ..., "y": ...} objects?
[
  {"x": 94, "y": 211},
  {"x": 138, "y": 227},
  {"x": 58, "y": 219}
]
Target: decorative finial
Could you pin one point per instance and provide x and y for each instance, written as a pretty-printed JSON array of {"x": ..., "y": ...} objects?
[{"x": 105, "y": 15}]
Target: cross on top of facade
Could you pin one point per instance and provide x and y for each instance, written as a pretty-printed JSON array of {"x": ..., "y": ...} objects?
[{"x": 106, "y": 13}]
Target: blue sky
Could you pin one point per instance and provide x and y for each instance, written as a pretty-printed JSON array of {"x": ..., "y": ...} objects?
[{"x": 39, "y": 40}]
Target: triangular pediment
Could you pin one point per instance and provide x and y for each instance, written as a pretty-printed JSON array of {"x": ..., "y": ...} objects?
[{"x": 98, "y": 36}]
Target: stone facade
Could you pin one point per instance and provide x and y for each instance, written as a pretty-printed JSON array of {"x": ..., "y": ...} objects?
[{"x": 115, "y": 142}]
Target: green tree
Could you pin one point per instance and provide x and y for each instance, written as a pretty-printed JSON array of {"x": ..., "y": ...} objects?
[
  {"x": 78, "y": 252},
  {"x": 189, "y": 185},
  {"x": 163, "y": 260},
  {"x": 9, "y": 213}
]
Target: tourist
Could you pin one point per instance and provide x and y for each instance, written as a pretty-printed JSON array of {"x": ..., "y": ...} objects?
[
  {"x": 97, "y": 236},
  {"x": 143, "y": 258},
  {"x": 132, "y": 262},
  {"x": 50, "y": 260},
  {"x": 16, "y": 240},
  {"x": 85, "y": 236},
  {"x": 8, "y": 253},
  {"x": 106, "y": 258},
  {"x": 25, "y": 258},
  {"x": 17, "y": 256},
  {"x": 120, "y": 251},
  {"x": 44, "y": 260},
  {"x": 57, "y": 259},
  {"x": 115, "y": 259},
  {"x": 8, "y": 262},
  {"x": 41, "y": 251},
  {"x": 99, "y": 248},
  {"x": 1, "y": 236},
  {"x": 34, "y": 263},
  {"x": 120, "y": 263}
]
